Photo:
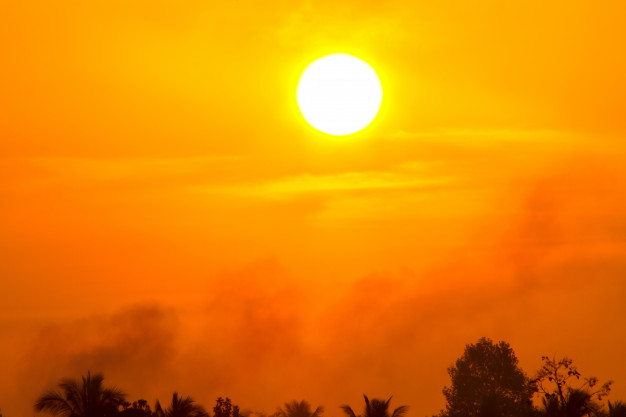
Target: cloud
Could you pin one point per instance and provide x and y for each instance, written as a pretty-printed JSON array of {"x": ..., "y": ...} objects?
[
  {"x": 339, "y": 183},
  {"x": 488, "y": 137}
]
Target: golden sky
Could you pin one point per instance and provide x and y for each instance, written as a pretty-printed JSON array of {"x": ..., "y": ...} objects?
[{"x": 167, "y": 216}]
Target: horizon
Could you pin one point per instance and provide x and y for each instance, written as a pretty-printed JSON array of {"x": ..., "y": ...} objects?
[{"x": 541, "y": 384}]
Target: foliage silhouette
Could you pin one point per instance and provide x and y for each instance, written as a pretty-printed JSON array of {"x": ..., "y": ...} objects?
[
  {"x": 139, "y": 408},
  {"x": 299, "y": 409},
  {"x": 88, "y": 398},
  {"x": 555, "y": 382},
  {"x": 575, "y": 403},
  {"x": 617, "y": 409},
  {"x": 377, "y": 408},
  {"x": 180, "y": 407},
  {"x": 224, "y": 408},
  {"x": 487, "y": 381}
]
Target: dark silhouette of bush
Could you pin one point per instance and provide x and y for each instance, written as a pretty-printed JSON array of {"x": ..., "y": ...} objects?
[{"x": 139, "y": 408}]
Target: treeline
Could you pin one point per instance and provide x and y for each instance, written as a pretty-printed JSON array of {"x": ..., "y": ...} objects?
[{"x": 486, "y": 381}]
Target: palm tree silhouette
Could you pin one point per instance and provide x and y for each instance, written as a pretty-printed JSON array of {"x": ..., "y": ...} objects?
[
  {"x": 377, "y": 408},
  {"x": 617, "y": 409},
  {"x": 299, "y": 409},
  {"x": 88, "y": 398},
  {"x": 180, "y": 407}
]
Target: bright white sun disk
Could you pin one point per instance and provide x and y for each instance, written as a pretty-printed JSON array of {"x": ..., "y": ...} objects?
[{"x": 339, "y": 94}]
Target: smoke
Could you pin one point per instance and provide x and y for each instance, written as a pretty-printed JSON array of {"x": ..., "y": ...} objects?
[
  {"x": 547, "y": 277},
  {"x": 137, "y": 346}
]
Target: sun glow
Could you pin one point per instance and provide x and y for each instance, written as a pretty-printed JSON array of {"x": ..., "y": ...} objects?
[{"x": 339, "y": 94}]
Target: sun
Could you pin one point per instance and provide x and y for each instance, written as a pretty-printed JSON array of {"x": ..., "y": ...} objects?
[{"x": 339, "y": 94}]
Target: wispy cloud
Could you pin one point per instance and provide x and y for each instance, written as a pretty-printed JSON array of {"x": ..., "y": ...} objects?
[
  {"x": 493, "y": 134},
  {"x": 402, "y": 177}
]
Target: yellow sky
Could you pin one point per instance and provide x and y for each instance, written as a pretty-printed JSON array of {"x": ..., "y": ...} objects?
[{"x": 167, "y": 217}]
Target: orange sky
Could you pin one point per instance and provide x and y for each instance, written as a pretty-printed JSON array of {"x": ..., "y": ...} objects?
[{"x": 168, "y": 218}]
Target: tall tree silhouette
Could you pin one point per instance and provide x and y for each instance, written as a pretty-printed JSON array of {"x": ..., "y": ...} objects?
[
  {"x": 377, "y": 408},
  {"x": 180, "y": 407},
  {"x": 86, "y": 398},
  {"x": 486, "y": 381},
  {"x": 299, "y": 409}
]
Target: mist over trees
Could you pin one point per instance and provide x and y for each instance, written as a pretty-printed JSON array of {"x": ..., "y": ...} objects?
[{"x": 486, "y": 381}]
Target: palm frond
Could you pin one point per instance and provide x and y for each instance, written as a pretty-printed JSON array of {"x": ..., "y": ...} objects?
[
  {"x": 183, "y": 407},
  {"x": 158, "y": 410},
  {"x": 617, "y": 409},
  {"x": 348, "y": 410},
  {"x": 400, "y": 411},
  {"x": 80, "y": 398},
  {"x": 72, "y": 391},
  {"x": 318, "y": 412},
  {"x": 54, "y": 402}
]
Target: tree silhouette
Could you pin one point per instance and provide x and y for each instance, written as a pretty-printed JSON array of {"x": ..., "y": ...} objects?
[
  {"x": 224, "y": 408},
  {"x": 139, "y": 408},
  {"x": 299, "y": 409},
  {"x": 180, "y": 407},
  {"x": 377, "y": 408},
  {"x": 617, "y": 409},
  {"x": 86, "y": 398},
  {"x": 554, "y": 381},
  {"x": 486, "y": 381},
  {"x": 576, "y": 403}
]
